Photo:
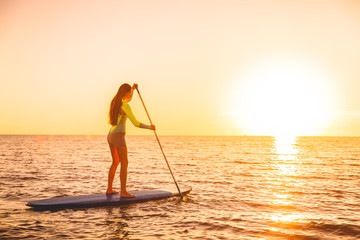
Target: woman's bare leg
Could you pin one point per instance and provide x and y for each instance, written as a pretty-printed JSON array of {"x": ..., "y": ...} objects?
[
  {"x": 122, "y": 154},
  {"x": 112, "y": 170}
]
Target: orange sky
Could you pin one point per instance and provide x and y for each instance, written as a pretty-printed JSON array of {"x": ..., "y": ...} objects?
[{"x": 61, "y": 62}]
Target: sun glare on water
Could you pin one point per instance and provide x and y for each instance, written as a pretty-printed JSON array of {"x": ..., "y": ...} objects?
[{"x": 283, "y": 97}]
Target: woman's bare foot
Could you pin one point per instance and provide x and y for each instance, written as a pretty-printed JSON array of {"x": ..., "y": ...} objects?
[
  {"x": 126, "y": 194},
  {"x": 111, "y": 191}
]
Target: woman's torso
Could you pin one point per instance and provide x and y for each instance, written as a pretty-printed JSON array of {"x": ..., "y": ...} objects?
[
  {"x": 126, "y": 113},
  {"x": 120, "y": 126}
]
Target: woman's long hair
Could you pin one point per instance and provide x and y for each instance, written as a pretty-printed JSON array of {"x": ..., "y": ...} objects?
[{"x": 115, "y": 106}]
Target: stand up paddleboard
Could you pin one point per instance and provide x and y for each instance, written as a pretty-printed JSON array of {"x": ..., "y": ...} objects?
[{"x": 102, "y": 199}]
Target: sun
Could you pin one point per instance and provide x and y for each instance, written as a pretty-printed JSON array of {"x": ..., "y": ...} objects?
[{"x": 283, "y": 97}]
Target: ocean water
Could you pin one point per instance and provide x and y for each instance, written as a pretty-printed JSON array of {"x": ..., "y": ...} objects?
[{"x": 243, "y": 188}]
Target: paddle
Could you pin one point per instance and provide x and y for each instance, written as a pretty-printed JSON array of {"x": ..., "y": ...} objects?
[{"x": 157, "y": 138}]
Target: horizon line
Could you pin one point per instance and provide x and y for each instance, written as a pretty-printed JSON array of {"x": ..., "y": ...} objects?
[{"x": 174, "y": 135}]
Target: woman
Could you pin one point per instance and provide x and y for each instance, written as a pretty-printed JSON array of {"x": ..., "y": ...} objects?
[{"x": 119, "y": 112}]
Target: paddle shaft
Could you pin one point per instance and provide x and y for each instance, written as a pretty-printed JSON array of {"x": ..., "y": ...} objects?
[{"x": 157, "y": 138}]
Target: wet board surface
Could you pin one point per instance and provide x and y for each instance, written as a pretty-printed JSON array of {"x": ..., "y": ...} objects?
[{"x": 102, "y": 199}]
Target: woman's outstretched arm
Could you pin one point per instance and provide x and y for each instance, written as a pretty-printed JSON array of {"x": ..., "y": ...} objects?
[{"x": 127, "y": 109}]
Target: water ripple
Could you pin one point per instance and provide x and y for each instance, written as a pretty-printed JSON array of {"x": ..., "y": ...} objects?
[{"x": 243, "y": 188}]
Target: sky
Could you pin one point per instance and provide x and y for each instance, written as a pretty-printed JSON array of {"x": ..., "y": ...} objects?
[{"x": 203, "y": 67}]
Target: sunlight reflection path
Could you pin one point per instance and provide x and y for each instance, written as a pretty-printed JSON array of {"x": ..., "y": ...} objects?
[
  {"x": 284, "y": 183},
  {"x": 285, "y": 148}
]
